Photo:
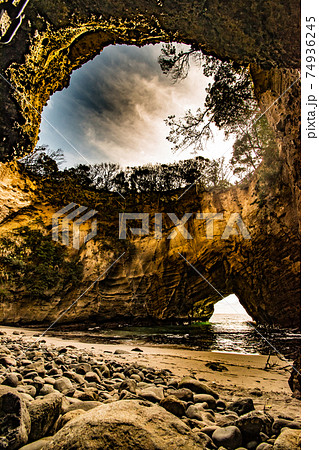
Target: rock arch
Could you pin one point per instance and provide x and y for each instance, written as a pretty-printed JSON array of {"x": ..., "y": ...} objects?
[{"x": 58, "y": 37}]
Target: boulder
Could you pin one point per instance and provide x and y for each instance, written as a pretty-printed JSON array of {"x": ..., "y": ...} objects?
[
  {"x": 84, "y": 405},
  {"x": 28, "y": 389},
  {"x": 288, "y": 439},
  {"x": 252, "y": 423},
  {"x": 209, "y": 399},
  {"x": 86, "y": 394},
  {"x": 44, "y": 412},
  {"x": 174, "y": 405},
  {"x": 153, "y": 394},
  {"x": 252, "y": 445},
  {"x": 264, "y": 446},
  {"x": 63, "y": 385},
  {"x": 92, "y": 377},
  {"x": 242, "y": 406},
  {"x": 37, "y": 445},
  {"x": 7, "y": 361},
  {"x": 46, "y": 389},
  {"x": 284, "y": 423},
  {"x": 295, "y": 378},
  {"x": 183, "y": 394},
  {"x": 221, "y": 405},
  {"x": 196, "y": 386},
  {"x": 127, "y": 395},
  {"x": 197, "y": 412},
  {"x": 209, "y": 430},
  {"x": 36, "y": 366},
  {"x": 11, "y": 380},
  {"x": 128, "y": 385},
  {"x": 223, "y": 420},
  {"x": 63, "y": 420},
  {"x": 15, "y": 423},
  {"x": 229, "y": 437},
  {"x": 132, "y": 424},
  {"x": 256, "y": 392},
  {"x": 83, "y": 368}
]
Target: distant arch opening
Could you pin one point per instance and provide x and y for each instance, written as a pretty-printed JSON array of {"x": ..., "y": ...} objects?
[{"x": 229, "y": 306}]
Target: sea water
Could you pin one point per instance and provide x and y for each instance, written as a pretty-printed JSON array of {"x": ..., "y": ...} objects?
[{"x": 235, "y": 333}]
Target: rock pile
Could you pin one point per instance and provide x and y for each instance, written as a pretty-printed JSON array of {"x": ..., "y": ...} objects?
[{"x": 62, "y": 397}]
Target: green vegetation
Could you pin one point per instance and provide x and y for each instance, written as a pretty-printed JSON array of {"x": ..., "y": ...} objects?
[
  {"x": 230, "y": 105},
  {"x": 42, "y": 164},
  {"x": 35, "y": 265}
]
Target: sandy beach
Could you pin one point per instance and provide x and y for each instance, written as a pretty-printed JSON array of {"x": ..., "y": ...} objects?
[{"x": 244, "y": 373}]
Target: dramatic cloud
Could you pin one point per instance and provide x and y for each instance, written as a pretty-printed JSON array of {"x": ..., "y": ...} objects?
[{"x": 115, "y": 106}]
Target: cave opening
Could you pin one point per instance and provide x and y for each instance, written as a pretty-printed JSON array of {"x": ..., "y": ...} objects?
[
  {"x": 229, "y": 307},
  {"x": 56, "y": 53},
  {"x": 115, "y": 107}
]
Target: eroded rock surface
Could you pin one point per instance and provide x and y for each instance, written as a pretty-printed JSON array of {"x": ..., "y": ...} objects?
[
  {"x": 15, "y": 423},
  {"x": 55, "y": 39},
  {"x": 153, "y": 282}
]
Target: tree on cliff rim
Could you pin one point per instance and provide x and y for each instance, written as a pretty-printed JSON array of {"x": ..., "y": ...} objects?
[{"x": 230, "y": 105}]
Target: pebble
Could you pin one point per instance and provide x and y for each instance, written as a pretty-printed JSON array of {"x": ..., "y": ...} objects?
[{"x": 59, "y": 384}]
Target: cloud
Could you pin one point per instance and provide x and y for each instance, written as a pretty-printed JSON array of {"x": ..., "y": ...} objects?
[{"x": 115, "y": 106}]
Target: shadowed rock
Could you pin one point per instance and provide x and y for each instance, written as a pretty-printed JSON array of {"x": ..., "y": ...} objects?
[{"x": 15, "y": 423}]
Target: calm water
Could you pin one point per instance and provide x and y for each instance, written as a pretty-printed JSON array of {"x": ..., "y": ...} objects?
[{"x": 225, "y": 333}]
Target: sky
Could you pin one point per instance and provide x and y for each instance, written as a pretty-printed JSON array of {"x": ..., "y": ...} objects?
[
  {"x": 115, "y": 106},
  {"x": 229, "y": 305},
  {"x": 114, "y": 111}
]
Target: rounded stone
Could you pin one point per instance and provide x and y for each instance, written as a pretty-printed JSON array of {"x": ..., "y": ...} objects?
[
  {"x": 183, "y": 394},
  {"x": 37, "y": 445},
  {"x": 242, "y": 406},
  {"x": 265, "y": 446},
  {"x": 127, "y": 424},
  {"x": 173, "y": 405},
  {"x": 92, "y": 377},
  {"x": 209, "y": 399},
  {"x": 230, "y": 437},
  {"x": 288, "y": 439},
  {"x": 11, "y": 380},
  {"x": 29, "y": 389},
  {"x": 63, "y": 385},
  {"x": 252, "y": 445},
  {"x": 44, "y": 412},
  {"x": 128, "y": 385}
]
